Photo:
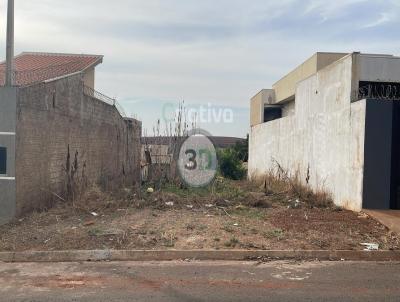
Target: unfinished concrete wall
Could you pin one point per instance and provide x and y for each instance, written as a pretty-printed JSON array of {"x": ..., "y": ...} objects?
[
  {"x": 324, "y": 138},
  {"x": 67, "y": 141},
  {"x": 378, "y": 68},
  {"x": 288, "y": 108},
  {"x": 285, "y": 88}
]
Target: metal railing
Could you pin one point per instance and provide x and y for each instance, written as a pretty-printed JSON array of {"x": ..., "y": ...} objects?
[
  {"x": 98, "y": 95},
  {"x": 120, "y": 109},
  {"x": 106, "y": 99}
]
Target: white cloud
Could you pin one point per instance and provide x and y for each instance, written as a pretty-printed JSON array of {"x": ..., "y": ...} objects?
[
  {"x": 329, "y": 10},
  {"x": 383, "y": 18}
]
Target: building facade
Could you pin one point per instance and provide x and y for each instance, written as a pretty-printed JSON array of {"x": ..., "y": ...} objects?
[{"x": 334, "y": 122}]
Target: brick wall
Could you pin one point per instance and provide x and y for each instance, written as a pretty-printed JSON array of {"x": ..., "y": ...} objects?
[{"x": 67, "y": 141}]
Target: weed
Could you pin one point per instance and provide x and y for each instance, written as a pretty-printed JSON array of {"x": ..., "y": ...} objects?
[
  {"x": 169, "y": 239},
  {"x": 278, "y": 181},
  {"x": 249, "y": 212},
  {"x": 276, "y": 233},
  {"x": 220, "y": 188},
  {"x": 94, "y": 232},
  {"x": 254, "y": 231},
  {"x": 233, "y": 242},
  {"x": 202, "y": 227},
  {"x": 227, "y": 189},
  {"x": 228, "y": 229},
  {"x": 190, "y": 227}
]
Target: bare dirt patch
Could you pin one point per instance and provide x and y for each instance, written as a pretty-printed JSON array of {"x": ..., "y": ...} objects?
[{"x": 224, "y": 216}]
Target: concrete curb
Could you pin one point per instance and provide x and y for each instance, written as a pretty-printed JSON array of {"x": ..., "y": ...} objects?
[{"x": 210, "y": 255}]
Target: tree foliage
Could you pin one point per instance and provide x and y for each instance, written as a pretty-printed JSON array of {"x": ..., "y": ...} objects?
[
  {"x": 242, "y": 149},
  {"x": 230, "y": 164}
]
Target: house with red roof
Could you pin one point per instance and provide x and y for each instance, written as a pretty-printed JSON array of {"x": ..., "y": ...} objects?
[
  {"x": 58, "y": 135},
  {"x": 35, "y": 67}
]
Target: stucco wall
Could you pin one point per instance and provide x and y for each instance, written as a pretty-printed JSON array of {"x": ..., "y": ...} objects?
[
  {"x": 8, "y": 98},
  {"x": 326, "y": 136},
  {"x": 67, "y": 141},
  {"x": 89, "y": 77}
]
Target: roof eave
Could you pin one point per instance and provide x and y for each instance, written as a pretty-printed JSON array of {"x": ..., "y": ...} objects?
[{"x": 94, "y": 64}]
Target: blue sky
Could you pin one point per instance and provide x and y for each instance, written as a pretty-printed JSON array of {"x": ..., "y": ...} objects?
[{"x": 218, "y": 52}]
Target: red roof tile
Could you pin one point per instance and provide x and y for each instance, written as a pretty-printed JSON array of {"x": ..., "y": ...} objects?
[{"x": 31, "y": 67}]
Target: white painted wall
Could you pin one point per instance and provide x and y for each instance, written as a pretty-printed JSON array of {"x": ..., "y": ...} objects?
[{"x": 326, "y": 134}]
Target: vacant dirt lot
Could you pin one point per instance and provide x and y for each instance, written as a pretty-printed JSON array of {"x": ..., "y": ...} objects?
[{"x": 226, "y": 215}]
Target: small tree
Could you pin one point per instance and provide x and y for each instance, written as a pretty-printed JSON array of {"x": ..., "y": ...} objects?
[
  {"x": 242, "y": 149},
  {"x": 230, "y": 165}
]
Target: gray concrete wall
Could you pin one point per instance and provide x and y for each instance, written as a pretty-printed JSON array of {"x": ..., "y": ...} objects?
[
  {"x": 325, "y": 136},
  {"x": 8, "y": 99},
  {"x": 67, "y": 141},
  {"x": 288, "y": 108},
  {"x": 377, "y": 68}
]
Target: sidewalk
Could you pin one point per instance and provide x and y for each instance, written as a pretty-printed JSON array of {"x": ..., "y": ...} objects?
[{"x": 389, "y": 218}]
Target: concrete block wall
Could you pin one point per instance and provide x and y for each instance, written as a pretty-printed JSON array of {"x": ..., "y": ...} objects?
[
  {"x": 325, "y": 137},
  {"x": 67, "y": 141}
]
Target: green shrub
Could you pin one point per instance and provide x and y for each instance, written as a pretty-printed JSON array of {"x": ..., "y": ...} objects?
[
  {"x": 242, "y": 149},
  {"x": 230, "y": 165}
]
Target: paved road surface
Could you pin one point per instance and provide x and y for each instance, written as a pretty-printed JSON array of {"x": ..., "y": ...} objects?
[{"x": 200, "y": 281}]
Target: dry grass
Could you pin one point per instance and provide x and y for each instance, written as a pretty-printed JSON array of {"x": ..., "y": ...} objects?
[
  {"x": 225, "y": 215},
  {"x": 278, "y": 181}
]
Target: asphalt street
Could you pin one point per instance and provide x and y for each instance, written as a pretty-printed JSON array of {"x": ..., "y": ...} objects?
[{"x": 200, "y": 281}]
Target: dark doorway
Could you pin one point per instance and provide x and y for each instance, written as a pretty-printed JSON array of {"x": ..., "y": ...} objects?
[
  {"x": 377, "y": 187},
  {"x": 381, "y": 188},
  {"x": 395, "y": 175}
]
